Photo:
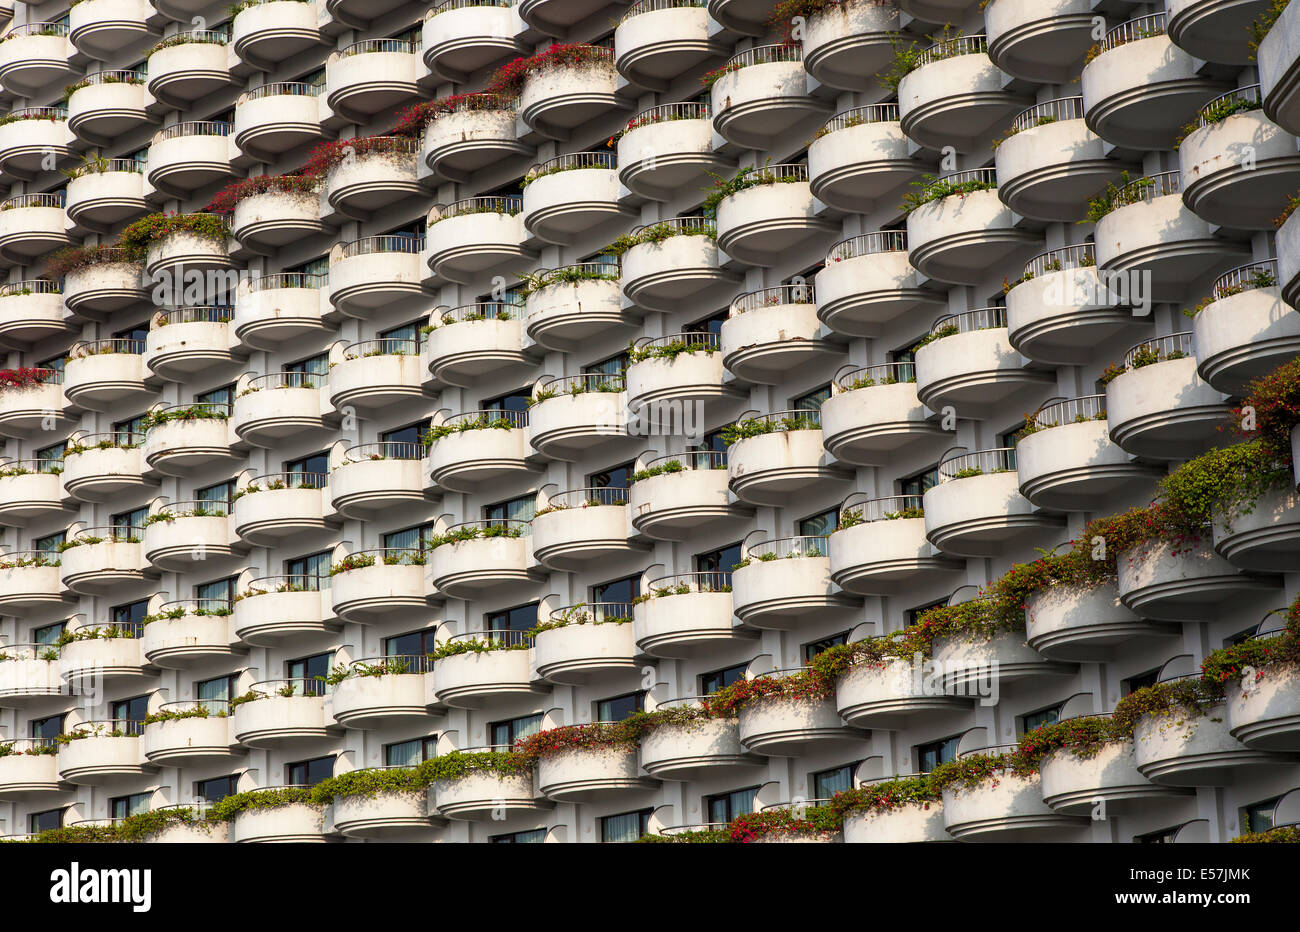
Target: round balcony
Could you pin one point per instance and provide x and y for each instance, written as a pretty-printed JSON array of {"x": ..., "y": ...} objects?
[
  {"x": 873, "y": 413},
  {"x": 32, "y": 310},
  {"x": 278, "y": 405},
  {"x": 374, "y": 478},
  {"x": 960, "y": 229},
  {"x": 1140, "y": 89},
  {"x": 557, "y": 100},
  {"x": 895, "y": 695},
  {"x": 1076, "y": 784},
  {"x": 1038, "y": 41},
  {"x": 1215, "y": 30},
  {"x": 470, "y": 237},
  {"x": 275, "y": 118},
  {"x": 103, "y": 651},
  {"x": 769, "y": 332},
  {"x": 27, "y": 405},
  {"x": 1089, "y": 625},
  {"x": 1159, "y": 407},
  {"x": 103, "y": 560},
  {"x": 905, "y": 823},
  {"x": 1276, "y": 61},
  {"x": 576, "y": 414},
  {"x": 1245, "y": 331},
  {"x": 182, "y": 535},
  {"x": 291, "y": 823},
  {"x": 673, "y": 261},
  {"x": 185, "y": 157},
  {"x": 867, "y": 282},
  {"x": 188, "y": 633},
  {"x": 686, "y": 615},
  {"x": 1008, "y": 808},
  {"x": 277, "y": 217},
  {"x": 387, "y": 815},
  {"x": 371, "y": 76},
  {"x": 109, "y": 283},
  {"x": 370, "y": 586},
  {"x": 102, "y": 467},
  {"x": 771, "y": 216},
  {"x": 34, "y": 58},
  {"x": 590, "y": 774},
  {"x": 571, "y": 196},
  {"x": 31, "y": 225},
  {"x": 781, "y": 583},
  {"x": 184, "y": 253},
  {"x": 681, "y": 368},
  {"x": 475, "y": 447},
  {"x": 272, "y": 310},
  {"x": 668, "y": 148},
  {"x": 776, "y": 456},
  {"x": 1194, "y": 747},
  {"x": 29, "y": 673},
  {"x": 375, "y": 272},
  {"x": 1262, "y": 708},
  {"x": 580, "y": 526},
  {"x": 1067, "y": 462},
  {"x": 791, "y": 726},
  {"x": 185, "y": 340},
  {"x": 846, "y": 45},
  {"x": 954, "y": 95},
  {"x": 657, "y": 41},
  {"x": 272, "y": 31},
  {"x": 376, "y": 374},
  {"x": 1262, "y": 535},
  {"x": 101, "y": 28},
  {"x": 31, "y": 135},
  {"x": 181, "y": 438},
  {"x": 1181, "y": 581},
  {"x": 105, "y": 192},
  {"x": 29, "y": 581},
  {"x": 190, "y": 831},
  {"x": 673, "y": 496},
  {"x": 102, "y": 753},
  {"x": 567, "y": 306},
  {"x": 29, "y": 770},
  {"x": 977, "y": 510},
  {"x": 761, "y": 95},
  {"x": 461, "y": 37},
  {"x": 470, "y": 133},
  {"x": 30, "y": 489},
  {"x": 279, "y": 505},
  {"x": 492, "y": 667},
  {"x": 478, "y": 556},
  {"x": 589, "y": 643},
  {"x": 189, "y": 733},
  {"x": 188, "y": 66},
  {"x": 970, "y": 365},
  {"x": 881, "y": 546},
  {"x": 695, "y": 750},
  {"x": 483, "y": 794},
  {"x": 474, "y": 340},
  {"x": 102, "y": 373},
  {"x": 860, "y": 158},
  {"x": 382, "y": 691},
  {"x": 968, "y": 667},
  {"x": 282, "y": 713},
  {"x": 275, "y": 610}
]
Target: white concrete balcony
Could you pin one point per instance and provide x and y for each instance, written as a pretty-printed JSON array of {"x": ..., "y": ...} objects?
[
  {"x": 1008, "y": 808},
  {"x": 101, "y": 194},
  {"x": 101, "y": 467},
  {"x": 480, "y": 555},
  {"x": 180, "y": 535},
  {"x": 860, "y": 158},
  {"x": 387, "y": 815},
  {"x": 462, "y": 36},
  {"x": 977, "y": 510},
  {"x": 30, "y": 489},
  {"x": 657, "y": 41},
  {"x": 271, "y": 310},
  {"x": 373, "y": 478},
  {"x": 1038, "y": 41},
  {"x": 188, "y": 633},
  {"x": 762, "y": 95},
  {"x": 846, "y": 45},
  {"x": 386, "y": 584},
  {"x": 374, "y": 272},
  {"x": 293, "y": 823},
  {"x": 667, "y": 148},
  {"x": 908, "y": 823},
  {"x": 275, "y": 610},
  {"x": 184, "y": 437},
  {"x": 1181, "y": 581},
  {"x": 198, "y": 734},
  {"x": 29, "y": 674},
  {"x": 474, "y": 340},
  {"x": 576, "y": 414},
  {"x": 279, "y": 404},
  {"x": 1159, "y": 407},
  {"x": 278, "y": 505},
  {"x": 674, "y": 260},
  {"x": 475, "y": 235},
  {"x": 26, "y": 406},
  {"x": 672, "y": 496},
  {"x": 967, "y": 665},
  {"x": 954, "y": 95},
  {"x": 1141, "y": 89},
  {"x": 283, "y": 714},
  {"x": 102, "y": 753},
  {"x": 383, "y": 691},
  {"x": 195, "y": 832},
  {"x": 101, "y": 373},
  {"x": 783, "y": 582},
  {"x": 31, "y": 135},
  {"x": 1262, "y": 710},
  {"x": 591, "y": 774},
  {"x": 30, "y": 770},
  {"x": 1215, "y": 30},
  {"x": 867, "y": 282},
  {"x": 1069, "y": 463},
  {"x": 374, "y": 374},
  {"x": 185, "y": 340},
  {"x": 31, "y": 225},
  {"x": 276, "y": 117},
  {"x": 185, "y": 157},
  {"x": 382, "y": 171},
  {"x": 873, "y": 413},
  {"x": 1278, "y": 60},
  {"x": 1194, "y": 747},
  {"x": 475, "y": 131},
  {"x": 592, "y": 643},
  {"x": 566, "y": 307},
  {"x": 558, "y": 99},
  {"x": 184, "y": 253},
  {"x": 686, "y": 615},
  {"x": 189, "y": 66},
  {"x": 34, "y": 58},
  {"x": 970, "y": 365},
  {"x": 371, "y": 76},
  {"x": 893, "y": 696},
  {"x": 961, "y": 229},
  {"x": 493, "y": 667},
  {"x": 32, "y": 310},
  {"x": 1092, "y": 625},
  {"x": 1245, "y": 331},
  {"x": 881, "y": 545},
  {"x": 267, "y": 33},
  {"x": 695, "y": 750},
  {"x": 769, "y": 332},
  {"x": 1265, "y": 540},
  {"x": 479, "y": 794},
  {"x": 580, "y": 526},
  {"x": 278, "y": 216},
  {"x": 779, "y": 455},
  {"x": 103, "y": 560},
  {"x": 29, "y": 581},
  {"x": 108, "y": 283},
  {"x": 1075, "y": 784},
  {"x": 474, "y": 447},
  {"x": 103, "y": 651},
  {"x": 571, "y": 196},
  {"x": 102, "y": 28},
  {"x": 788, "y": 726},
  {"x": 678, "y": 367}
]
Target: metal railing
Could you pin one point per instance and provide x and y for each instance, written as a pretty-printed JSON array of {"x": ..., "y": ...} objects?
[
  {"x": 219, "y": 707},
  {"x": 594, "y": 613},
  {"x": 684, "y": 583},
  {"x": 503, "y": 204},
  {"x": 1245, "y": 278},
  {"x": 487, "y": 419},
  {"x": 388, "y": 556},
  {"x": 772, "y": 297},
  {"x": 124, "y": 629},
  {"x": 114, "y": 76},
  {"x": 278, "y": 380},
  {"x": 606, "y": 269},
  {"x": 103, "y": 347},
  {"x": 376, "y": 245},
  {"x": 512, "y": 526},
  {"x": 116, "y": 534},
  {"x": 797, "y": 547},
  {"x": 859, "y": 116},
  {"x": 109, "y": 727},
  {"x": 38, "y": 29},
  {"x": 54, "y": 199},
  {"x": 1250, "y": 94},
  {"x": 666, "y": 113},
  {"x": 796, "y": 419},
  {"x": 987, "y": 176},
  {"x": 1049, "y": 111},
  {"x": 196, "y": 508},
  {"x": 384, "y": 450},
  {"x": 392, "y": 665},
  {"x": 1069, "y": 411},
  {"x": 694, "y": 338},
  {"x": 588, "y": 497},
  {"x": 465, "y": 5},
  {"x": 284, "y": 89},
  {"x": 195, "y": 128},
  {"x": 1058, "y": 260},
  {"x": 39, "y": 113},
  {"x": 1144, "y": 27},
  {"x": 984, "y": 318},
  {"x": 889, "y": 373},
  {"x": 198, "y": 607},
  {"x": 276, "y": 481},
  {"x": 384, "y": 346},
  {"x": 196, "y": 314},
  {"x": 370, "y": 46},
  {"x": 1160, "y": 349},
  {"x": 107, "y": 440},
  {"x": 981, "y": 462},
  {"x": 24, "y": 652},
  {"x": 30, "y": 286},
  {"x": 574, "y": 160},
  {"x": 869, "y": 510},
  {"x": 765, "y": 55},
  {"x": 292, "y": 582},
  {"x": 681, "y": 226},
  {"x": 868, "y": 244},
  {"x": 102, "y": 166},
  {"x": 18, "y": 467},
  {"x": 952, "y": 48},
  {"x": 651, "y": 6},
  {"x": 280, "y": 280},
  {"x": 292, "y": 686},
  {"x": 21, "y": 558},
  {"x": 482, "y": 310},
  {"x": 692, "y": 459},
  {"x": 213, "y": 409},
  {"x": 586, "y": 382},
  {"x": 1147, "y": 187},
  {"x": 497, "y": 639}
]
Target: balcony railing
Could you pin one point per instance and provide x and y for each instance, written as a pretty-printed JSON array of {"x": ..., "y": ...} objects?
[
  {"x": 680, "y": 226},
  {"x": 287, "y": 280},
  {"x": 376, "y": 245},
  {"x": 391, "y": 665},
  {"x": 644, "y": 347},
  {"x": 983, "y": 176},
  {"x": 481, "y": 205},
  {"x": 465, "y": 5},
  {"x": 285, "y": 89},
  {"x": 277, "y": 380},
  {"x": 497, "y": 639},
  {"x": 1212, "y": 112},
  {"x": 765, "y": 55},
  {"x": 1070, "y": 411},
  {"x": 469, "y": 530},
  {"x": 195, "y": 128},
  {"x": 387, "y": 346},
  {"x": 650, "y": 6},
  {"x": 384, "y": 556},
  {"x": 665, "y": 113},
  {"x": 572, "y": 161},
  {"x": 293, "y": 582},
  {"x": 684, "y": 583},
  {"x": 218, "y": 607},
  {"x": 39, "y": 113},
  {"x": 952, "y": 48},
  {"x": 772, "y": 297},
  {"x": 600, "y": 269},
  {"x": 588, "y": 498},
  {"x": 102, "y": 347},
  {"x": 367, "y": 46},
  {"x": 858, "y": 116},
  {"x": 384, "y": 450},
  {"x": 114, "y": 77},
  {"x": 1144, "y": 27},
  {"x": 102, "y": 166},
  {"x": 108, "y": 440},
  {"x": 274, "y": 481},
  {"x": 858, "y": 509},
  {"x": 889, "y": 373},
  {"x": 1058, "y": 260},
  {"x": 196, "y": 508},
  {"x": 109, "y": 727},
  {"x": 292, "y": 686},
  {"x": 1245, "y": 278},
  {"x": 38, "y": 29},
  {"x": 30, "y": 286},
  {"x": 1049, "y": 111},
  {"x": 982, "y": 462},
  {"x": 482, "y": 310},
  {"x": 594, "y": 613},
  {"x": 33, "y": 200},
  {"x": 211, "y": 410},
  {"x": 586, "y": 382},
  {"x": 197, "y": 314},
  {"x": 798, "y": 419},
  {"x": 868, "y": 244},
  {"x": 1143, "y": 189},
  {"x": 1161, "y": 349},
  {"x": 516, "y": 420},
  {"x": 692, "y": 459},
  {"x": 984, "y": 318},
  {"x": 22, "y": 467},
  {"x": 116, "y": 534}
]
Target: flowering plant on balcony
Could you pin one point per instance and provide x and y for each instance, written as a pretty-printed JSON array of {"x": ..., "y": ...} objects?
[
  {"x": 227, "y": 199},
  {"x": 1286, "y": 834},
  {"x": 50, "y": 114},
  {"x": 511, "y": 77},
  {"x": 41, "y": 559},
  {"x": 979, "y": 769},
  {"x": 326, "y": 156},
  {"x": 76, "y": 258},
  {"x": 578, "y": 614},
  {"x": 1274, "y": 402},
  {"x": 811, "y": 820},
  {"x": 24, "y": 377},
  {"x": 412, "y": 121},
  {"x": 136, "y": 238},
  {"x": 807, "y": 685}
]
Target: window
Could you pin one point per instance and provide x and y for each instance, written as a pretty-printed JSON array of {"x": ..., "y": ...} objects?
[
  {"x": 49, "y": 728},
  {"x": 309, "y": 470},
  {"x": 50, "y": 457},
  {"x": 309, "y": 772},
  {"x": 1141, "y": 681},
  {"x": 50, "y": 542},
  {"x": 54, "y": 362},
  {"x": 48, "y": 634},
  {"x": 820, "y": 525},
  {"x": 219, "y": 493},
  {"x": 1258, "y": 817},
  {"x": 213, "y": 694},
  {"x": 307, "y": 571},
  {"x": 119, "y": 807},
  {"x": 1040, "y": 718},
  {"x": 919, "y": 483},
  {"x": 311, "y": 671},
  {"x": 826, "y": 783},
  {"x": 619, "y": 707},
  {"x": 515, "y": 509},
  {"x": 216, "y": 789},
  {"x": 416, "y": 643},
  {"x": 130, "y": 523},
  {"x": 505, "y": 734},
  {"x": 912, "y": 615},
  {"x": 718, "y": 561},
  {"x": 514, "y": 401},
  {"x": 216, "y": 596},
  {"x": 135, "y": 336},
  {"x": 707, "y": 325},
  {"x": 616, "y": 477},
  {"x": 44, "y": 821},
  {"x": 710, "y": 683},
  {"x": 519, "y": 618},
  {"x": 811, "y": 401},
  {"x": 930, "y": 756},
  {"x": 130, "y": 431},
  {"x": 726, "y": 806},
  {"x": 321, "y": 265},
  {"x": 217, "y": 396},
  {"x": 410, "y": 753},
  {"x": 411, "y": 433},
  {"x": 625, "y": 827},
  {"x": 128, "y": 714},
  {"x": 619, "y": 590},
  {"x": 530, "y": 837},
  {"x": 1011, "y": 437},
  {"x": 614, "y": 365},
  {"x": 397, "y": 338},
  {"x": 129, "y": 615},
  {"x": 411, "y": 538},
  {"x": 813, "y": 648},
  {"x": 312, "y": 369}
]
